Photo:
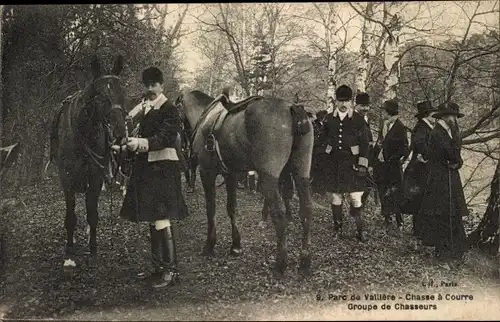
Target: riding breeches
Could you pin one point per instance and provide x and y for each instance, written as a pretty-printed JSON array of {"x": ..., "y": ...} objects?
[{"x": 354, "y": 196}]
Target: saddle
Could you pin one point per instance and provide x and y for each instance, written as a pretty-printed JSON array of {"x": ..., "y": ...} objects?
[
  {"x": 213, "y": 118},
  {"x": 233, "y": 107}
]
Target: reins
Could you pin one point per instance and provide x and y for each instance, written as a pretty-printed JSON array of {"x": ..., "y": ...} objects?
[{"x": 114, "y": 164}]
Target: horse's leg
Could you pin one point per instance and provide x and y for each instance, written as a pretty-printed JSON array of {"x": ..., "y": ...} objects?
[
  {"x": 193, "y": 164},
  {"x": 265, "y": 213},
  {"x": 208, "y": 181},
  {"x": 286, "y": 187},
  {"x": 70, "y": 224},
  {"x": 231, "y": 185},
  {"x": 91, "y": 203},
  {"x": 300, "y": 166},
  {"x": 271, "y": 192},
  {"x": 305, "y": 212}
]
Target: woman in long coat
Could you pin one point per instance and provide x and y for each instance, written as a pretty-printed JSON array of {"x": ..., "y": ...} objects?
[
  {"x": 154, "y": 193},
  {"x": 443, "y": 203},
  {"x": 415, "y": 175}
]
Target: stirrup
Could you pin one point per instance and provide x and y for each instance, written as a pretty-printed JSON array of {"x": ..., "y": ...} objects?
[{"x": 210, "y": 143}]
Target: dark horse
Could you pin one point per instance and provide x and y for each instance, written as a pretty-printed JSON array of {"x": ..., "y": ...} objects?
[
  {"x": 84, "y": 127},
  {"x": 260, "y": 137}
]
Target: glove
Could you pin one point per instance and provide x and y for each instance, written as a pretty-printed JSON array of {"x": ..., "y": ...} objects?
[
  {"x": 421, "y": 159},
  {"x": 137, "y": 144},
  {"x": 116, "y": 148}
]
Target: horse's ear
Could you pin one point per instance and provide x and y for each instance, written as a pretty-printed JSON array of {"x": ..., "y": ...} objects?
[
  {"x": 95, "y": 66},
  {"x": 178, "y": 100},
  {"x": 117, "y": 68}
]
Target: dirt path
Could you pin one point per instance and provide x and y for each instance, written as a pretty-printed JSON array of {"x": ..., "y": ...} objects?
[{"x": 223, "y": 287}]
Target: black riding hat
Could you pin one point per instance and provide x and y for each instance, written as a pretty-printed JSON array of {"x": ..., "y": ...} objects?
[
  {"x": 362, "y": 98},
  {"x": 152, "y": 75},
  {"x": 423, "y": 108},
  {"x": 391, "y": 106},
  {"x": 448, "y": 109},
  {"x": 343, "y": 93}
]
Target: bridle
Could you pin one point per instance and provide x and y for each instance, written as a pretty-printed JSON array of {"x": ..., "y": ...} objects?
[{"x": 114, "y": 163}]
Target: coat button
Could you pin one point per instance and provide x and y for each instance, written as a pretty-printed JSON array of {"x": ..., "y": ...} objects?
[
  {"x": 340, "y": 130},
  {"x": 340, "y": 135},
  {"x": 340, "y": 148},
  {"x": 340, "y": 141}
]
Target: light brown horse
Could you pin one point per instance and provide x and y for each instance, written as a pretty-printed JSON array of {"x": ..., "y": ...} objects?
[{"x": 262, "y": 137}]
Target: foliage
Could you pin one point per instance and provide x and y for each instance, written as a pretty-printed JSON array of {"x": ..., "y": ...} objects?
[{"x": 46, "y": 57}]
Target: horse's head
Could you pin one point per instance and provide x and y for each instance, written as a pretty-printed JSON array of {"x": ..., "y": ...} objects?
[{"x": 108, "y": 92}]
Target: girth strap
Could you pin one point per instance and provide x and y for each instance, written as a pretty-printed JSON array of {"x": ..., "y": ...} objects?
[{"x": 212, "y": 144}]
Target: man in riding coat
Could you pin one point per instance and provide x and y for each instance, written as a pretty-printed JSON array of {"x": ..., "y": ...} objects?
[
  {"x": 347, "y": 151},
  {"x": 443, "y": 202},
  {"x": 362, "y": 107},
  {"x": 154, "y": 194},
  {"x": 388, "y": 170},
  {"x": 415, "y": 176}
]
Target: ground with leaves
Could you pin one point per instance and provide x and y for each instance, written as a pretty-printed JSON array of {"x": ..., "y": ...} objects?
[{"x": 223, "y": 287}]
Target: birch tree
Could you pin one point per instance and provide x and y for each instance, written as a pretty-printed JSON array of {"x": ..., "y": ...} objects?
[{"x": 364, "y": 50}]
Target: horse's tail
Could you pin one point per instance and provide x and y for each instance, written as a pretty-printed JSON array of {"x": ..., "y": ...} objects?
[{"x": 301, "y": 124}]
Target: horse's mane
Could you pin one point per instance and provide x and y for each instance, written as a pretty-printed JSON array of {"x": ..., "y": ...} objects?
[{"x": 205, "y": 99}]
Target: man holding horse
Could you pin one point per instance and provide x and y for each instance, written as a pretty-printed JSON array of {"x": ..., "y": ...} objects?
[
  {"x": 154, "y": 194},
  {"x": 347, "y": 149}
]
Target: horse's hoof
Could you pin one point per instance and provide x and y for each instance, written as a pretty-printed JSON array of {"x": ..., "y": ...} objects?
[
  {"x": 208, "y": 253},
  {"x": 69, "y": 266},
  {"x": 361, "y": 237},
  {"x": 305, "y": 271},
  {"x": 278, "y": 272},
  {"x": 235, "y": 252}
]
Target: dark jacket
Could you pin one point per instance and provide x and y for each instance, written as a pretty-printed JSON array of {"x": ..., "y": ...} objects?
[
  {"x": 416, "y": 172},
  {"x": 389, "y": 174},
  {"x": 154, "y": 192},
  {"x": 443, "y": 202},
  {"x": 346, "y": 149}
]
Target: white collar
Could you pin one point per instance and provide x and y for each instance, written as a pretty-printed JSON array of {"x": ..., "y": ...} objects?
[
  {"x": 158, "y": 101},
  {"x": 428, "y": 122},
  {"x": 391, "y": 119},
  {"x": 349, "y": 112}
]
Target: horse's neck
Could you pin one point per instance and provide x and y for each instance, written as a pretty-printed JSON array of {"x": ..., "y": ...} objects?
[{"x": 86, "y": 117}]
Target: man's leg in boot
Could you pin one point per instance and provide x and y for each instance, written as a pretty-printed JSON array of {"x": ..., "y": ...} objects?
[
  {"x": 337, "y": 214},
  {"x": 355, "y": 212},
  {"x": 169, "y": 274},
  {"x": 155, "y": 254}
]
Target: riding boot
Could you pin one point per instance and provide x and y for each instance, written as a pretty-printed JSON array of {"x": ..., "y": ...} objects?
[
  {"x": 156, "y": 255},
  {"x": 337, "y": 220},
  {"x": 356, "y": 214},
  {"x": 169, "y": 273},
  {"x": 364, "y": 197}
]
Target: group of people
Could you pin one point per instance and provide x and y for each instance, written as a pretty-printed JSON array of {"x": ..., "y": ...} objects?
[
  {"x": 433, "y": 191},
  {"x": 349, "y": 162}
]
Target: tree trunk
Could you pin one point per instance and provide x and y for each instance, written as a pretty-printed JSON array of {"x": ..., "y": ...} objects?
[
  {"x": 366, "y": 41},
  {"x": 1, "y": 79},
  {"x": 391, "y": 66},
  {"x": 332, "y": 84},
  {"x": 486, "y": 235}
]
